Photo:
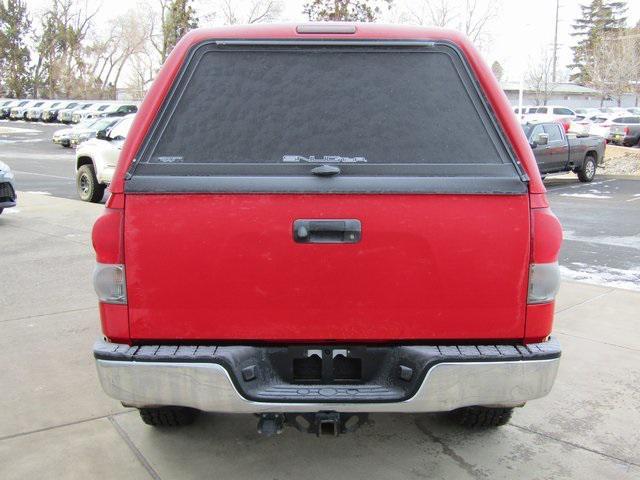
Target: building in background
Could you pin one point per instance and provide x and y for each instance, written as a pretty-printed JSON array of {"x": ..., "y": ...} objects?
[{"x": 566, "y": 94}]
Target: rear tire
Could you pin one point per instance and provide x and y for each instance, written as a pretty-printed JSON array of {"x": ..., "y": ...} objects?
[
  {"x": 89, "y": 190},
  {"x": 1, "y": 210},
  {"x": 588, "y": 170},
  {"x": 481, "y": 417},
  {"x": 168, "y": 416}
]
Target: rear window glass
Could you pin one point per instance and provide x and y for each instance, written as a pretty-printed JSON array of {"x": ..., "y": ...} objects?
[
  {"x": 375, "y": 108},
  {"x": 554, "y": 132}
]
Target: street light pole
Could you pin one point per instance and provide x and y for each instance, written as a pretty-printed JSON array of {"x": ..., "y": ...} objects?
[{"x": 555, "y": 44}]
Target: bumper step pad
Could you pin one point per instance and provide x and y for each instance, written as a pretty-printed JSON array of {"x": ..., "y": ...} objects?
[{"x": 387, "y": 373}]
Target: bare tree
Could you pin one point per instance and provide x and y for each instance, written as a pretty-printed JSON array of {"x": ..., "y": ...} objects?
[
  {"x": 614, "y": 67},
  {"x": 539, "y": 77},
  {"x": 439, "y": 13},
  {"x": 143, "y": 68},
  {"x": 158, "y": 18},
  {"x": 476, "y": 16},
  {"x": 126, "y": 35},
  {"x": 231, "y": 12},
  {"x": 472, "y": 17}
]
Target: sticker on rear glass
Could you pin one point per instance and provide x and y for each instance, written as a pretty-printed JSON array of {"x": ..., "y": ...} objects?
[
  {"x": 167, "y": 159},
  {"x": 323, "y": 159}
]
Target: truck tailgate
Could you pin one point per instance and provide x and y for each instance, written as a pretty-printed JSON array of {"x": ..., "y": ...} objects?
[{"x": 222, "y": 267}]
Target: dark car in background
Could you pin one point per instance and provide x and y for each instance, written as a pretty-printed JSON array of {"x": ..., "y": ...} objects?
[
  {"x": 50, "y": 114},
  {"x": 557, "y": 151},
  {"x": 626, "y": 131},
  {"x": 34, "y": 114},
  {"x": 66, "y": 115},
  {"x": 5, "y": 111}
]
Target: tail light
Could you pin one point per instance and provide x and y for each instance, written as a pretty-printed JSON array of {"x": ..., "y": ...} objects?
[
  {"x": 109, "y": 279},
  {"x": 110, "y": 284},
  {"x": 544, "y": 282},
  {"x": 544, "y": 272},
  {"x": 626, "y": 130}
]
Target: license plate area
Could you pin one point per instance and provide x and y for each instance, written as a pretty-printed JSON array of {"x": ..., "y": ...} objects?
[{"x": 328, "y": 365}]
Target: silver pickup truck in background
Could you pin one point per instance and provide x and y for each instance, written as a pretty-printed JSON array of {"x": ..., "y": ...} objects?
[{"x": 557, "y": 151}]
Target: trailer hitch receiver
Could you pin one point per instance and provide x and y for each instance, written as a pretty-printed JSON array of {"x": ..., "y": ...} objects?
[{"x": 324, "y": 424}]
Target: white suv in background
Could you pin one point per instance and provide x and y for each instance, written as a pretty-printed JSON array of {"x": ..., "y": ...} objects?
[
  {"x": 96, "y": 160},
  {"x": 551, "y": 113}
]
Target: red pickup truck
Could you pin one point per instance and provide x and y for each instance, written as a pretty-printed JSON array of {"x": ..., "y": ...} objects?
[{"x": 293, "y": 232}]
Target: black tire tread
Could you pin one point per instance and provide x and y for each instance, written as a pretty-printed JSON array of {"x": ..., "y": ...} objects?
[
  {"x": 482, "y": 417},
  {"x": 168, "y": 416},
  {"x": 97, "y": 189},
  {"x": 581, "y": 172}
]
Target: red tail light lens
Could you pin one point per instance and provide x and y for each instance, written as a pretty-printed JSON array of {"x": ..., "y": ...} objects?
[
  {"x": 626, "y": 130},
  {"x": 109, "y": 275}
]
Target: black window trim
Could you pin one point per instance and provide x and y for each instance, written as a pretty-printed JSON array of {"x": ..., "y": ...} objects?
[{"x": 346, "y": 183}]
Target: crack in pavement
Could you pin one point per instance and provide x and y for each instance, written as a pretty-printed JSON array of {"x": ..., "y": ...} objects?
[
  {"x": 575, "y": 445},
  {"x": 448, "y": 451},
  {"x": 82, "y": 309},
  {"x": 141, "y": 458},
  {"x": 62, "y": 425}
]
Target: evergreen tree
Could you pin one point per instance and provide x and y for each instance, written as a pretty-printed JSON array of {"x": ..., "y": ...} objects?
[
  {"x": 497, "y": 70},
  {"x": 345, "y": 10},
  {"x": 599, "y": 18},
  {"x": 14, "y": 53},
  {"x": 180, "y": 18}
]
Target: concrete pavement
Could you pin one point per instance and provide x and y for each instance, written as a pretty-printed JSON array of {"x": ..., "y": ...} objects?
[{"x": 55, "y": 422}]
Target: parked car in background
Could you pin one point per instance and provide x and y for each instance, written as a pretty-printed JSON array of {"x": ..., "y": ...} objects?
[
  {"x": 96, "y": 159},
  {"x": 602, "y": 124},
  {"x": 89, "y": 128},
  {"x": 50, "y": 114},
  {"x": 613, "y": 110},
  {"x": 115, "y": 110},
  {"x": 309, "y": 247},
  {"x": 6, "y": 103},
  {"x": 20, "y": 112},
  {"x": 5, "y": 108},
  {"x": 83, "y": 114},
  {"x": 7, "y": 189},
  {"x": 526, "y": 109},
  {"x": 580, "y": 126},
  {"x": 552, "y": 113},
  {"x": 5, "y": 112},
  {"x": 582, "y": 113},
  {"x": 584, "y": 119},
  {"x": 62, "y": 136},
  {"x": 34, "y": 113},
  {"x": 557, "y": 151},
  {"x": 66, "y": 115},
  {"x": 625, "y": 131}
]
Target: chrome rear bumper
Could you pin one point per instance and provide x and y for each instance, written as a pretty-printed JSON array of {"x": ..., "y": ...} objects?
[{"x": 447, "y": 385}]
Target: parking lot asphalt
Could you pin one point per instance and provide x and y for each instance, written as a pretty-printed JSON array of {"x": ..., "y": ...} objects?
[
  {"x": 601, "y": 220},
  {"x": 55, "y": 421}
]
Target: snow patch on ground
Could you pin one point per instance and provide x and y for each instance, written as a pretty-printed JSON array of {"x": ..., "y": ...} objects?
[
  {"x": 11, "y": 211},
  {"x": 38, "y": 193},
  {"x": 629, "y": 241},
  {"x": 605, "y": 276},
  {"x": 584, "y": 195},
  {"x": 29, "y": 140},
  {"x": 6, "y": 130}
]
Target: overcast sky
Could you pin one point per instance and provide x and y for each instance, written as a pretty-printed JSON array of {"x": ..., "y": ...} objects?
[{"x": 522, "y": 28}]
